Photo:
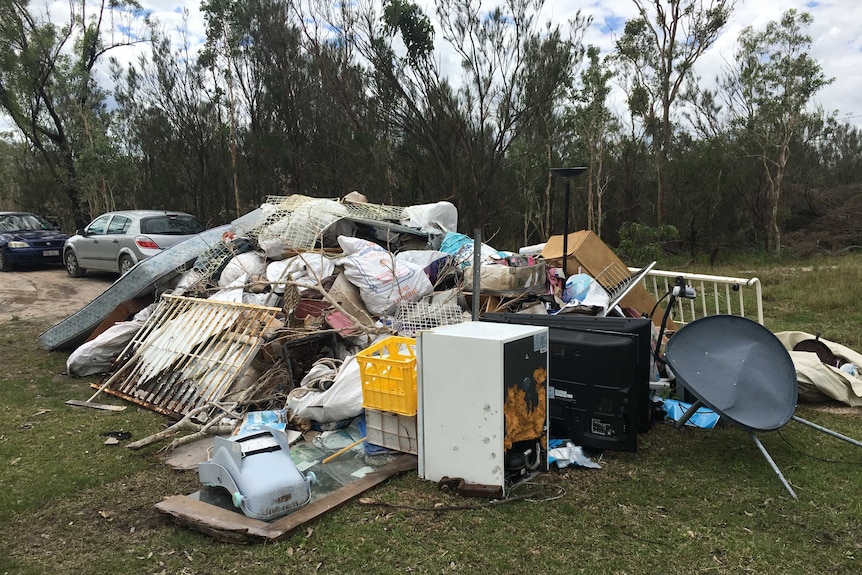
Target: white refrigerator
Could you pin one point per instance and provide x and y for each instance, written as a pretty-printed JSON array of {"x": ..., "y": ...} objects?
[{"x": 483, "y": 402}]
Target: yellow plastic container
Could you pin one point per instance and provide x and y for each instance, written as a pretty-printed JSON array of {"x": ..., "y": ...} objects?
[{"x": 388, "y": 373}]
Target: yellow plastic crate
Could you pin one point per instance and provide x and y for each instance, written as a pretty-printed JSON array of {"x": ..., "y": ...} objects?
[{"x": 388, "y": 373}]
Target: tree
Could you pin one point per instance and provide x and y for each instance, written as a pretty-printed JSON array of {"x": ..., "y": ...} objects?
[
  {"x": 594, "y": 123},
  {"x": 47, "y": 86},
  {"x": 769, "y": 89},
  {"x": 173, "y": 131},
  {"x": 660, "y": 48}
]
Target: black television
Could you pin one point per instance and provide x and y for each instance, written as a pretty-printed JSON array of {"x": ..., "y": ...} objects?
[
  {"x": 592, "y": 395},
  {"x": 604, "y": 363}
]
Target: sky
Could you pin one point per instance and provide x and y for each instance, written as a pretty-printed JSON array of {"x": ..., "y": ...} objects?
[{"x": 836, "y": 35}]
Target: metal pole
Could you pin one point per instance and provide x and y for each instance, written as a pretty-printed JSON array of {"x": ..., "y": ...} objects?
[
  {"x": 826, "y": 431},
  {"x": 477, "y": 272},
  {"x": 772, "y": 464},
  {"x": 566, "y": 232},
  {"x": 680, "y": 423}
]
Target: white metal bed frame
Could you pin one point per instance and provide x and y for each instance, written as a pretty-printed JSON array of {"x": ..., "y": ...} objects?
[{"x": 715, "y": 294}]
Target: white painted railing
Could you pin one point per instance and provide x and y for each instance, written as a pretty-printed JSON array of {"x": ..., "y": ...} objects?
[{"x": 715, "y": 295}]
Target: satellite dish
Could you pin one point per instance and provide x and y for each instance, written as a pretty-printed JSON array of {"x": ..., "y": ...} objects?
[
  {"x": 739, "y": 369},
  {"x": 736, "y": 367}
]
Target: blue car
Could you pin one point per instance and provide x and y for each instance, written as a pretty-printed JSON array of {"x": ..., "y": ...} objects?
[{"x": 28, "y": 239}]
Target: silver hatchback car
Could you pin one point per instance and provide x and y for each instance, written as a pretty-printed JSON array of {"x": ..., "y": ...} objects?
[{"x": 116, "y": 241}]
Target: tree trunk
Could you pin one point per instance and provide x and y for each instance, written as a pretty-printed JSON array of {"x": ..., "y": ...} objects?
[{"x": 546, "y": 224}]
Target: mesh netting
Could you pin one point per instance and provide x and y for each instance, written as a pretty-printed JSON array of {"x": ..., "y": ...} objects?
[{"x": 293, "y": 222}]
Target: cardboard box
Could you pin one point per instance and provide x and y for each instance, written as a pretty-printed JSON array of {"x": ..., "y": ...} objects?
[{"x": 587, "y": 253}]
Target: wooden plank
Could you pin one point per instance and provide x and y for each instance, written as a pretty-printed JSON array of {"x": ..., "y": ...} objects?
[
  {"x": 105, "y": 406},
  {"x": 223, "y": 524},
  {"x": 123, "y": 312},
  {"x": 228, "y": 525}
]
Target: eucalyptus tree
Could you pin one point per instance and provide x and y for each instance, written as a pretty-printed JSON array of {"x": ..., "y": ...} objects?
[
  {"x": 172, "y": 129},
  {"x": 840, "y": 156},
  {"x": 595, "y": 125},
  {"x": 446, "y": 134},
  {"x": 48, "y": 86},
  {"x": 770, "y": 86},
  {"x": 660, "y": 47},
  {"x": 25, "y": 182},
  {"x": 294, "y": 98},
  {"x": 515, "y": 71}
]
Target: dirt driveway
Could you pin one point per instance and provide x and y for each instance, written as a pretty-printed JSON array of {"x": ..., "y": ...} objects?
[{"x": 47, "y": 293}]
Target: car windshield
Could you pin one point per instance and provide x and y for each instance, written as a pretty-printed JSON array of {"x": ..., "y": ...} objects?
[
  {"x": 171, "y": 225},
  {"x": 23, "y": 223}
]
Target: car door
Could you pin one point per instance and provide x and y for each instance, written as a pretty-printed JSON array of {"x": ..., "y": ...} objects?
[
  {"x": 88, "y": 246},
  {"x": 115, "y": 239}
]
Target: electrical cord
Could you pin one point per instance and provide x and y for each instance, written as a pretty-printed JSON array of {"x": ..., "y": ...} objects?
[
  {"x": 814, "y": 457},
  {"x": 655, "y": 307}
]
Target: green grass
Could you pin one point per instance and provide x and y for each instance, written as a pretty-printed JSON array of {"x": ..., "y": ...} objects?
[{"x": 689, "y": 501}]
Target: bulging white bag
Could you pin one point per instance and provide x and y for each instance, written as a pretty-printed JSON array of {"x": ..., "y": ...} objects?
[
  {"x": 98, "y": 354},
  {"x": 250, "y": 263},
  {"x": 306, "y": 270},
  {"x": 343, "y": 400},
  {"x": 382, "y": 279}
]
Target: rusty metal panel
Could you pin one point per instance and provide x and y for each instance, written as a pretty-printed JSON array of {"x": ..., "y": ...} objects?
[{"x": 189, "y": 353}]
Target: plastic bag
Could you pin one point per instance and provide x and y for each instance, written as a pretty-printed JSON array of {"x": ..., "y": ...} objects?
[
  {"x": 436, "y": 218},
  {"x": 249, "y": 263},
  {"x": 703, "y": 418},
  {"x": 342, "y": 400},
  {"x": 460, "y": 247},
  {"x": 382, "y": 279},
  {"x": 305, "y": 270},
  {"x": 577, "y": 287},
  {"x": 98, "y": 354}
]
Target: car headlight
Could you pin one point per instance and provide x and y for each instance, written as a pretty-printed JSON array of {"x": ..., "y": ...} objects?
[{"x": 17, "y": 244}]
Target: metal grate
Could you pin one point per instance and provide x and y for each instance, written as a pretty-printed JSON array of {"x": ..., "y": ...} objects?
[
  {"x": 189, "y": 353},
  {"x": 413, "y": 317},
  {"x": 619, "y": 280}
]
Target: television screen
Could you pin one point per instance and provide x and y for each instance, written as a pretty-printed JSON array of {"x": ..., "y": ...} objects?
[{"x": 604, "y": 364}]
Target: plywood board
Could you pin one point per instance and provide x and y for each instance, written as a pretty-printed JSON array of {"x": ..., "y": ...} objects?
[{"x": 227, "y": 525}]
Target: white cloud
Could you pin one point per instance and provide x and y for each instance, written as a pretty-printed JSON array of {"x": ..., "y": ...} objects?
[{"x": 836, "y": 37}]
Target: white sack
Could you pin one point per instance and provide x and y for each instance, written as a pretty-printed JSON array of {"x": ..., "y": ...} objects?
[
  {"x": 97, "y": 355},
  {"x": 341, "y": 401},
  {"x": 305, "y": 270},
  {"x": 249, "y": 263},
  {"x": 383, "y": 281},
  {"x": 436, "y": 218}
]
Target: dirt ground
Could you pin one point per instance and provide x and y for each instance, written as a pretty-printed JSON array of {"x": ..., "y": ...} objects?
[{"x": 47, "y": 293}]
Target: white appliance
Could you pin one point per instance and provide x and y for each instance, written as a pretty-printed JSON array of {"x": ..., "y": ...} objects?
[{"x": 483, "y": 402}]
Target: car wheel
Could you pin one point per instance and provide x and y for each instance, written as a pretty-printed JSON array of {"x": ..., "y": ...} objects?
[
  {"x": 5, "y": 266},
  {"x": 72, "y": 267},
  {"x": 126, "y": 264}
]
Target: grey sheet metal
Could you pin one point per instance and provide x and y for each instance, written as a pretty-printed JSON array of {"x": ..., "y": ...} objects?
[{"x": 140, "y": 280}]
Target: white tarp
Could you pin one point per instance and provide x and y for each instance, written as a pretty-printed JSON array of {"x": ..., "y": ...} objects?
[
  {"x": 437, "y": 218},
  {"x": 818, "y": 381}
]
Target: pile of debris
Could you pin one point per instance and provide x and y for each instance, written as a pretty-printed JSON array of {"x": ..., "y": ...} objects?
[
  {"x": 271, "y": 330},
  {"x": 296, "y": 292},
  {"x": 258, "y": 332}
]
